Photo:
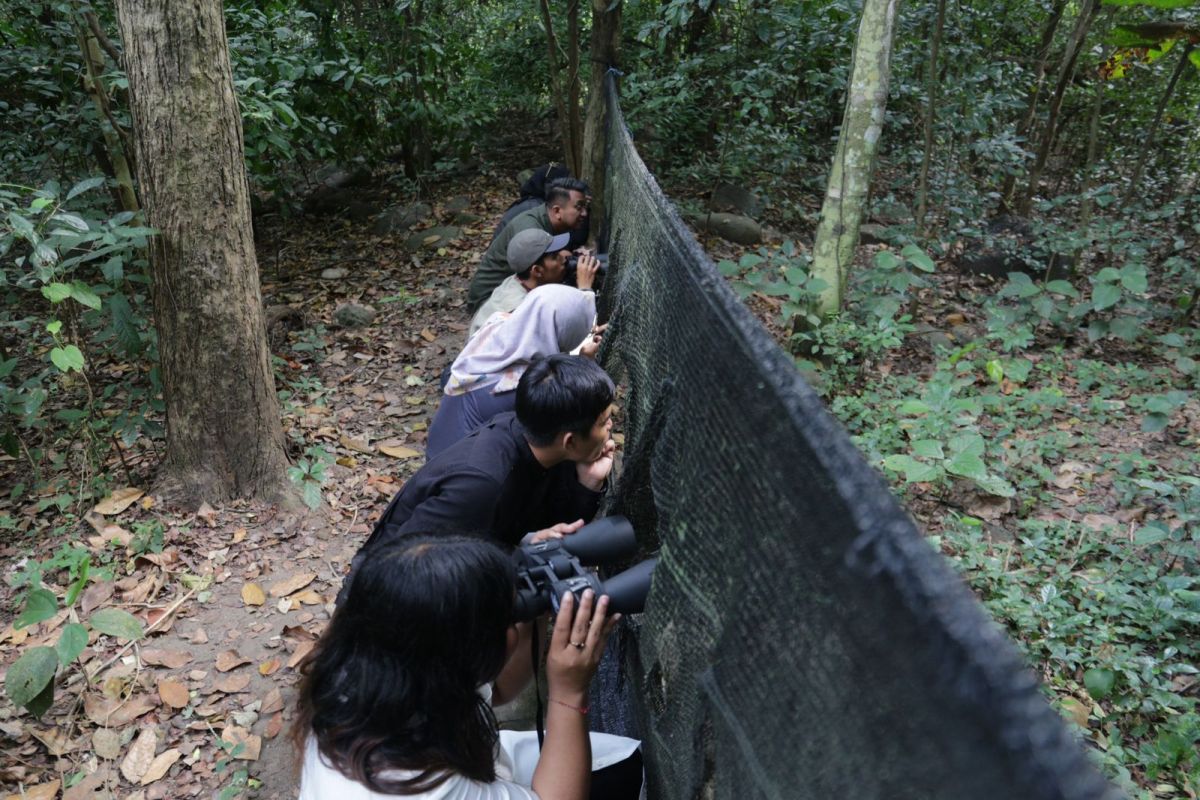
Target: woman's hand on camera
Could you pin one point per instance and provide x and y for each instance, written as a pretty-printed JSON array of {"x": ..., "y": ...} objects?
[{"x": 576, "y": 646}]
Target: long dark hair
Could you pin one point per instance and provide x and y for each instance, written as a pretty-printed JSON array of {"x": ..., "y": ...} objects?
[{"x": 392, "y": 682}]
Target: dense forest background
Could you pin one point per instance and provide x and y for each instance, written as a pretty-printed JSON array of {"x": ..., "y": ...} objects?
[{"x": 1016, "y": 348}]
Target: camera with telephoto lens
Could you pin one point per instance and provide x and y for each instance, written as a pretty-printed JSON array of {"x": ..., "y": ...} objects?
[
  {"x": 571, "y": 275},
  {"x": 546, "y": 570}
]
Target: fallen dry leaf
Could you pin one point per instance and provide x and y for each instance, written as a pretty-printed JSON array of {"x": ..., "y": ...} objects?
[
  {"x": 229, "y": 659},
  {"x": 94, "y": 597},
  {"x": 110, "y": 533},
  {"x": 106, "y": 743},
  {"x": 112, "y": 712},
  {"x": 139, "y": 755},
  {"x": 173, "y": 693},
  {"x": 252, "y": 594},
  {"x": 159, "y": 766},
  {"x": 206, "y": 513},
  {"x": 399, "y": 452},
  {"x": 308, "y": 597},
  {"x": 118, "y": 501},
  {"x": 274, "y": 725},
  {"x": 268, "y": 667},
  {"x": 428, "y": 335},
  {"x": 272, "y": 702},
  {"x": 43, "y": 791},
  {"x": 292, "y": 584},
  {"x": 251, "y": 745},
  {"x": 172, "y": 659},
  {"x": 239, "y": 535},
  {"x": 357, "y": 445},
  {"x": 233, "y": 683},
  {"x": 57, "y": 742},
  {"x": 301, "y": 651}
]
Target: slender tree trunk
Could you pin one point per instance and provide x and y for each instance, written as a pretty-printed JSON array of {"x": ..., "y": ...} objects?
[
  {"x": 575, "y": 119},
  {"x": 224, "y": 437},
  {"x": 931, "y": 91},
  {"x": 1086, "y": 16},
  {"x": 605, "y": 52},
  {"x": 114, "y": 143},
  {"x": 1043, "y": 58},
  {"x": 850, "y": 174},
  {"x": 1089, "y": 169},
  {"x": 571, "y": 149},
  {"x": 1136, "y": 178}
]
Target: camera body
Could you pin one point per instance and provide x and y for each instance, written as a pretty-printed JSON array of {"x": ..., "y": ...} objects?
[
  {"x": 571, "y": 275},
  {"x": 546, "y": 570}
]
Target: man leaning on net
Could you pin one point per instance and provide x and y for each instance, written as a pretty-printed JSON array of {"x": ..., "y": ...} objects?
[{"x": 542, "y": 468}]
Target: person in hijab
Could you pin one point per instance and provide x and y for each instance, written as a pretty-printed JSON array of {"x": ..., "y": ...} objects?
[{"x": 483, "y": 379}]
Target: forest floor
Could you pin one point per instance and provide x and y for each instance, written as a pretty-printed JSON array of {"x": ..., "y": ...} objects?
[{"x": 233, "y": 596}]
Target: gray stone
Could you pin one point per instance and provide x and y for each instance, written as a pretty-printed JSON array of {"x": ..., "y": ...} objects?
[
  {"x": 731, "y": 227},
  {"x": 728, "y": 197},
  {"x": 937, "y": 339},
  {"x": 889, "y": 212},
  {"x": 353, "y": 315},
  {"x": 460, "y": 203},
  {"x": 1010, "y": 244},
  {"x": 432, "y": 237},
  {"x": 871, "y": 233},
  {"x": 334, "y": 273},
  {"x": 466, "y": 218},
  {"x": 398, "y": 219},
  {"x": 333, "y": 176}
]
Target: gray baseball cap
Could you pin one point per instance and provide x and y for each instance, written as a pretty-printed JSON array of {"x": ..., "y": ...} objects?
[{"x": 530, "y": 245}]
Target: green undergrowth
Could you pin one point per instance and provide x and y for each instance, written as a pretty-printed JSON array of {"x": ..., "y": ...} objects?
[{"x": 1050, "y": 451}]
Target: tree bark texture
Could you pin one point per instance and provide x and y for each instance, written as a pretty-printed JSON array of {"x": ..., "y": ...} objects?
[
  {"x": 224, "y": 436},
  {"x": 931, "y": 91},
  {"x": 853, "y": 161},
  {"x": 605, "y": 52},
  {"x": 562, "y": 94}
]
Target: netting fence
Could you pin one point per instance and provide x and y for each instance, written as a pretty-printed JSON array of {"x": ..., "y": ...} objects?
[{"x": 801, "y": 639}]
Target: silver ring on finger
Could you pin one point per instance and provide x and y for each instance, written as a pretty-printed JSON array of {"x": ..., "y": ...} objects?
[{"x": 577, "y": 645}]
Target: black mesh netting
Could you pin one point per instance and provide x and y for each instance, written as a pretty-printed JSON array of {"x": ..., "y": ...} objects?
[{"x": 801, "y": 638}]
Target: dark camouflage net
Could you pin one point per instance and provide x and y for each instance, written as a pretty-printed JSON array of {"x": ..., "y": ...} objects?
[{"x": 801, "y": 639}]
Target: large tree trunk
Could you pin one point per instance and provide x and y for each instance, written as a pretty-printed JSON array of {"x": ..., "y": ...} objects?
[
  {"x": 566, "y": 97},
  {"x": 850, "y": 175},
  {"x": 224, "y": 437},
  {"x": 605, "y": 50}
]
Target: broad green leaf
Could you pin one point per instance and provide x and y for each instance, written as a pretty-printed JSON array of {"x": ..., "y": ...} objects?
[
  {"x": 83, "y": 186},
  {"x": 29, "y": 674},
  {"x": 1018, "y": 369},
  {"x": 54, "y": 326},
  {"x": 750, "y": 260},
  {"x": 913, "y": 407},
  {"x": 312, "y": 494},
  {"x": 995, "y": 370},
  {"x": 886, "y": 259},
  {"x": 22, "y": 227},
  {"x": 71, "y": 642},
  {"x": 928, "y": 448},
  {"x": 1151, "y": 3},
  {"x": 84, "y": 295},
  {"x": 1105, "y": 295},
  {"x": 1099, "y": 682},
  {"x": 56, "y": 292},
  {"x": 1062, "y": 287},
  {"x": 1194, "y": 57},
  {"x": 41, "y": 704},
  {"x": 40, "y": 605},
  {"x": 995, "y": 485},
  {"x": 1153, "y": 423},
  {"x": 72, "y": 221},
  {"x": 918, "y": 258},
  {"x": 968, "y": 465},
  {"x": 67, "y": 358},
  {"x": 971, "y": 443},
  {"x": 124, "y": 325},
  {"x": 1108, "y": 275},
  {"x": 1150, "y": 534},
  {"x": 118, "y": 623},
  {"x": 727, "y": 268},
  {"x": 76, "y": 588},
  {"x": 1133, "y": 278},
  {"x": 1185, "y": 365}
]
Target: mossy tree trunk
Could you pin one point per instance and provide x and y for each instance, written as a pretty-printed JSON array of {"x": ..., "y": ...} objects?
[
  {"x": 605, "y": 51},
  {"x": 224, "y": 436},
  {"x": 853, "y": 162}
]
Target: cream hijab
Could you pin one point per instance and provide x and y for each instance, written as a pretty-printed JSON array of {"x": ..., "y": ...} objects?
[{"x": 552, "y": 319}]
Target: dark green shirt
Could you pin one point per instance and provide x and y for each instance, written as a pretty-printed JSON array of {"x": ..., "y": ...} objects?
[{"x": 493, "y": 267}]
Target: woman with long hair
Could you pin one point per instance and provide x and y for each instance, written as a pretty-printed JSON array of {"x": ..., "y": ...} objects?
[
  {"x": 483, "y": 378},
  {"x": 396, "y": 697}
]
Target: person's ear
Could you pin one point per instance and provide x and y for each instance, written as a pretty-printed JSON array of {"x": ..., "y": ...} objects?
[
  {"x": 567, "y": 441},
  {"x": 512, "y": 639}
]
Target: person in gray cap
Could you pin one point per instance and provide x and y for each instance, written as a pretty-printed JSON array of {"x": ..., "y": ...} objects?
[
  {"x": 565, "y": 211},
  {"x": 536, "y": 258}
]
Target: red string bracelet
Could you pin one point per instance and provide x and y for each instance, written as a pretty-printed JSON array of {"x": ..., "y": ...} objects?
[{"x": 581, "y": 709}]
